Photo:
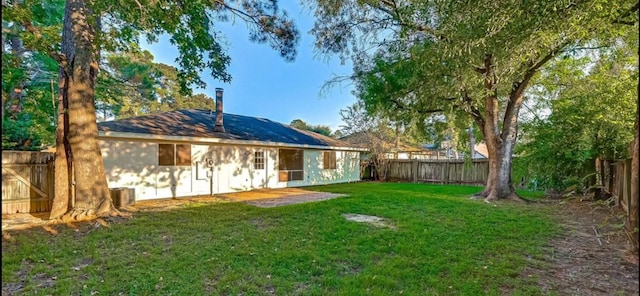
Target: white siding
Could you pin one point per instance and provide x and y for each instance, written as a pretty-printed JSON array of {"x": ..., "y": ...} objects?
[
  {"x": 347, "y": 169},
  {"x": 233, "y": 168},
  {"x": 135, "y": 164}
]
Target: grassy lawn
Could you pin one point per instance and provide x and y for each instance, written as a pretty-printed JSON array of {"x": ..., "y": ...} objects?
[{"x": 443, "y": 244}]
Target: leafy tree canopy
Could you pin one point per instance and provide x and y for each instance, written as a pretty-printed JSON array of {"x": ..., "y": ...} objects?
[
  {"x": 129, "y": 82},
  {"x": 320, "y": 129},
  {"x": 589, "y": 104},
  {"x": 190, "y": 25},
  {"x": 415, "y": 58},
  {"x": 419, "y": 57}
]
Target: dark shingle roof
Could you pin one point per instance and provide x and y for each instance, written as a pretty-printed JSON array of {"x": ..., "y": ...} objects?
[{"x": 200, "y": 123}]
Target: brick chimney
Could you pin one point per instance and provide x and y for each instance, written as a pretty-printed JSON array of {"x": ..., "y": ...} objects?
[{"x": 219, "y": 127}]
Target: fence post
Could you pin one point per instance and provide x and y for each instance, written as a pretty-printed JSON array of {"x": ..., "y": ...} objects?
[
  {"x": 627, "y": 185},
  {"x": 51, "y": 173},
  {"x": 446, "y": 170},
  {"x": 414, "y": 170}
]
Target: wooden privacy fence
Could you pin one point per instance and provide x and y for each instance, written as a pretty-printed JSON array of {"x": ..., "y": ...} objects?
[
  {"x": 439, "y": 171},
  {"x": 27, "y": 181},
  {"x": 620, "y": 188},
  {"x": 620, "y": 183}
]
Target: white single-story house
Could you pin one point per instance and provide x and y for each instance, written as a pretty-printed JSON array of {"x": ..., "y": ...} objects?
[{"x": 202, "y": 152}]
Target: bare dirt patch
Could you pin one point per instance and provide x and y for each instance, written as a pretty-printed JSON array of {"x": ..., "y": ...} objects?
[
  {"x": 373, "y": 220},
  {"x": 293, "y": 199},
  {"x": 591, "y": 257},
  {"x": 269, "y": 198},
  {"x": 168, "y": 204}
]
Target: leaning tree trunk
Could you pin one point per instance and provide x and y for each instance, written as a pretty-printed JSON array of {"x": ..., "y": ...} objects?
[{"x": 89, "y": 190}]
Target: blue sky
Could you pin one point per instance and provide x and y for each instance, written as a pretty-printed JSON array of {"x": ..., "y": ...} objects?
[{"x": 264, "y": 85}]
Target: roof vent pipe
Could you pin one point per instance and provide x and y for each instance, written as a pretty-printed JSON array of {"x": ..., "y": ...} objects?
[{"x": 219, "y": 127}]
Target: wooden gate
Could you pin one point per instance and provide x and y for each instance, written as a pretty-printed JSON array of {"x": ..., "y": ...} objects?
[{"x": 27, "y": 181}]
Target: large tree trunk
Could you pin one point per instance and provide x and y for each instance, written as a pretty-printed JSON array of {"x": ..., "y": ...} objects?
[
  {"x": 90, "y": 195},
  {"x": 500, "y": 143},
  {"x": 63, "y": 163},
  {"x": 499, "y": 183}
]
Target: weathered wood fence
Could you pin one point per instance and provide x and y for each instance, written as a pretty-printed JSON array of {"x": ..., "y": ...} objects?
[
  {"x": 620, "y": 187},
  {"x": 439, "y": 171},
  {"x": 620, "y": 183},
  {"x": 27, "y": 181}
]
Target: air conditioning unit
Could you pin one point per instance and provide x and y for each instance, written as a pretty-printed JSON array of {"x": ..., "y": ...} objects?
[{"x": 123, "y": 196}]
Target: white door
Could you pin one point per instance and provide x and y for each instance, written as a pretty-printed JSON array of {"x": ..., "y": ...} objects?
[{"x": 259, "y": 170}]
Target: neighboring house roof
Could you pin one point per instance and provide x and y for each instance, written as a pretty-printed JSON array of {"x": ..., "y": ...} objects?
[
  {"x": 430, "y": 146},
  {"x": 481, "y": 148},
  {"x": 196, "y": 123},
  {"x": 360, "y": 139}
]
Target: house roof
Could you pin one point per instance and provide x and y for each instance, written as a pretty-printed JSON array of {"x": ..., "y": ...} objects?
[
  {"x": 360, "y": 139},
  {"x": 197, "y": 123},
  {"x": 481, "y": 148}
]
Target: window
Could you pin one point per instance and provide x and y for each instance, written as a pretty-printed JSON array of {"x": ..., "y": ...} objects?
[
  {"x": 174, "y": 154},
  {"x": 329, "y": 160},
  {"x": 166, "y": 154},
  {"x": 290, "y": 163},
  {"x": 258, "y": 160},
  {"x": 183, "y": 154}
]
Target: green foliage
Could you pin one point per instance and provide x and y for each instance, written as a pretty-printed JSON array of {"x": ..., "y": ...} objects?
[
  {"x": 592, "y": 102},
  {"x": 29, "y": 84},
  {"x": 443, "y": 244},
  {"x": 417, "y": 57},
  {"x": 130, "y": 83},
  {"x": 320, "y": 129},
  {"x": 43, "y": 16},
  {"x": 473, "y": 60},
  {"x": 31, "y": 129},
  {"x": 191, "y": 27}
]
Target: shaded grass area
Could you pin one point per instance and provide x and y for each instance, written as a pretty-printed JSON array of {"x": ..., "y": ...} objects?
[{"x": 443, "y": 244}]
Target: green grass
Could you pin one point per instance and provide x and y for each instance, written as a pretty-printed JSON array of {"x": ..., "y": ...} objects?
[{"x": 444, "y": 244}]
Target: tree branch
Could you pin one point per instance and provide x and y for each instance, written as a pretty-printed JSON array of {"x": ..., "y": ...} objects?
[
  {"x": 516, "y": 96},
  {"x": 58, "y": 57},
  {"x": 401, "y": 106},
  {"x": 520, "y": 86},
  {"x": 584, "y": 48},
  {"x": 392, "y": 11},
  {"x": 627, "y": 13},
  {"x": 479, "y": 70},
  {"x": 473, "y": 110},
  {"x": 256, "y": 20}
]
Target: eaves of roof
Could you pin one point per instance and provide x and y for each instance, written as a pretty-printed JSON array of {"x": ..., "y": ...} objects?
[{"x": 205, "y": 140}]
